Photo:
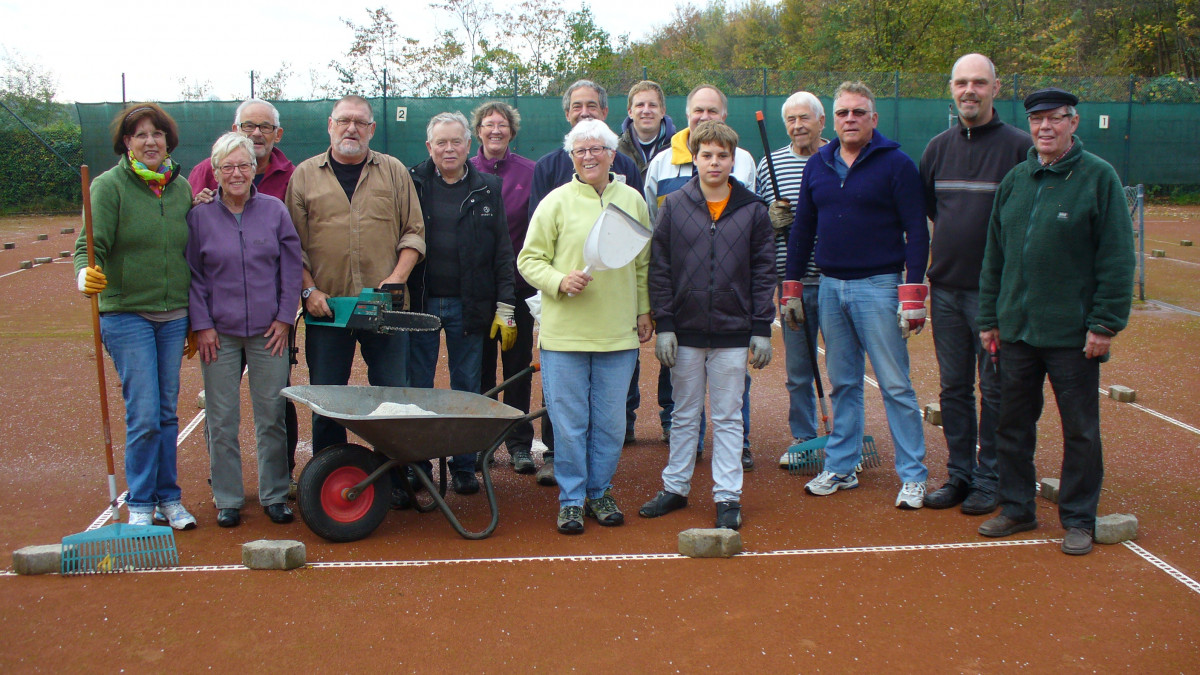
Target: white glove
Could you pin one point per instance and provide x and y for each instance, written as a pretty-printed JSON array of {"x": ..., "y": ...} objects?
[
  {"x": 760, "y": 351},
  {"x": 665, "y": 348}
]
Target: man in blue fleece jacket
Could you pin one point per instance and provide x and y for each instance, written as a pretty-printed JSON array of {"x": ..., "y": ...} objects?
[{"x": 861, "y": 201}]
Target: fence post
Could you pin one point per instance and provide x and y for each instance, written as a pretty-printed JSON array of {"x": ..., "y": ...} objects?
[
  {"x": 764, "y": 89},
  {"x": 122, "y": 88},
  {"x": 1126, "y": 178},
  {"x": 1016, "y": 113},
  {"x": 252, "y": 84},
  {"x": 388, "y": 148},
  {"x": 896, "y": 99},
  {"x": 644, "y": 73},
  {"x": 1141, "y": 216}
]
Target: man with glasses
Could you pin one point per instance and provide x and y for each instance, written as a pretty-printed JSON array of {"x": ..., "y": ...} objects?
[
  {"x": 861, "y": 207},
  {"x": 1053, "y": 293},
  {"x": 360, "y": 226},
  {"x": 960, "y": 169},
  {"x": 259, "y": 121}
]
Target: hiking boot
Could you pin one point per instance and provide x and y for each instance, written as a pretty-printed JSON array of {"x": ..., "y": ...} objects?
[
  {"x": 747, "y": 461},
  {"x": 1078, "y": 541},
  {"x": 663, "y": 503},
  {"x": 141, "y": 518},
  {"x": 545, "y": 475},
  {"x": 570, "y": 520},
  {"x": 911, "y": 495},
  {"x": 464, "y": 482},
  {"x": 978, "y": 503},
  {"x": 522, "y": 461},
  {"x": 729, "y": 515},
  {"x": 177, "y": 516},
  {"x": 828, "y": 482},
  {"x": 604, "y": 509},
  {"x": 950, "y": 494},
  {"x": 1003, "y": 526}
]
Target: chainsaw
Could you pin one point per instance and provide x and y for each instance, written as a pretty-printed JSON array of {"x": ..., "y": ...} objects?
[{"x": 373, "y": 311}]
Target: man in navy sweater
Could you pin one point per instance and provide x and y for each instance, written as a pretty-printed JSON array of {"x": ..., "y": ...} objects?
[{"x": 860, "y": 204}]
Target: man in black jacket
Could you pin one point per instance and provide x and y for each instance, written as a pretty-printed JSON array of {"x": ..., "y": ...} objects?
[{"x": 960, "y": 171}]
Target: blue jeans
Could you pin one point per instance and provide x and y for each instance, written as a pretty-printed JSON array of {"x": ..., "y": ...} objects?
[
  {"x": 633, "y": 399},
  {"x": 802, "y": 400},
  {"x": 585, "y": 393},
  {"x": 465, "y": 352},
  {"x": 960, "y": 355},
  {"x": 329, "y": 353},
  {"x": 147, "y": 355},
  {"x": 859, "y": 316}
]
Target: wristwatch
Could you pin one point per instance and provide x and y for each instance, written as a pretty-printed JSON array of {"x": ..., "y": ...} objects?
[{"x": 307, "y": 292}]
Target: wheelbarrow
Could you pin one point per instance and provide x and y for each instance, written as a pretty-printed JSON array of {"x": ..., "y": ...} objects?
[{"x": 345, "y": 491}]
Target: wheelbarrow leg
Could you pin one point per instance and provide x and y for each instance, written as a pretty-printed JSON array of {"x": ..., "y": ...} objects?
[{"x": 440, "y": 503}]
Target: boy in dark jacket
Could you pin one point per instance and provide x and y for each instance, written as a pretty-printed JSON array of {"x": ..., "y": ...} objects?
[{"x": 711, "y": 281}]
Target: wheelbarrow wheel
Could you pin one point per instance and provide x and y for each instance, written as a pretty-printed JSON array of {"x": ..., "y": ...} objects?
[{"x": 323, "y": 483}]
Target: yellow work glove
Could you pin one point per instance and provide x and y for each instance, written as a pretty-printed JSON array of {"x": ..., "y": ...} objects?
[
  {"x": 189, "y": 347},
  {"x": 506, "y": 323},
  {"x": 91, "y": 280}
]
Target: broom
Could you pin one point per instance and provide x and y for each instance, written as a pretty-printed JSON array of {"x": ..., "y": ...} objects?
[{"x": 117, "y": 547}]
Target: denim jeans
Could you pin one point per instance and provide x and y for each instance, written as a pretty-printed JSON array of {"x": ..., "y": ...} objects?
[
  {"x": 721, "y": 373},
  {"x": 1075, "y": 380},
  {"x": 329, "y": 353},
  {"x": 802, "y": 400},
  {"x": 859, "y": 316},
  {"x": 585, "y": 393},
  {"x": 633, "y": 398},
  {"x": 147, "y": 355},
  {"x": 960, "y": 356},
  {"x": 666, "y": 404},
  {"x": 464, "y": 352}
]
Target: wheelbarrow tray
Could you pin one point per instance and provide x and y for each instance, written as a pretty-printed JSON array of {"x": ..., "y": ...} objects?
[{"x": 463, "y": 422}]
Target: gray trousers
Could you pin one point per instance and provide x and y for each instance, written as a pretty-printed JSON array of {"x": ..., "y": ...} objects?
[
  {"x": 222, "y": 387},
  {"x": 722, "y": 373}
]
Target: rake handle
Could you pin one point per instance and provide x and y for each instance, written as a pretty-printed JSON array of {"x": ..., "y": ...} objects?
[{"x": 762, "y": 131}]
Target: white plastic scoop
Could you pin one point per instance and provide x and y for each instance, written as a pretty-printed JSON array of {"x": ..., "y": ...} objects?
[{"x": 615, "y": 240}]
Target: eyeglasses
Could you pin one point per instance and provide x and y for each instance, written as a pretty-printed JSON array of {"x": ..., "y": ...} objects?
[
  {"x": 595, "y": 151},
  {"x": 249, "y": 127},
  {"x": 228, "y": 169},
  {"x": 494, "y": 126},
  {"x": 843, "y": 113},
  {"x": 1055, "y": 120},
  {"x": 343, "y": 122}
]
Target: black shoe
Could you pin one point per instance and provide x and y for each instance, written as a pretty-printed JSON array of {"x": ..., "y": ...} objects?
[
  {"x": 522, "y": 461},
  {"x": 747, "y": 463},
  {"x": 1078, "y": 541},
  {"x": 1003, "y": 526},
  {"x": 228, "y": 517},
  {"x": 400, "y": 500},
  {"x": 629, "y": 437},
  {"x": 950, "y": 494},
  {"x": 729, "y": 515},
  {"x": 663, "y": 503},
  {"x": 978, "y": 503},
  {"x": 465, "y": 483},
  {"x": 278, "y": 513}
]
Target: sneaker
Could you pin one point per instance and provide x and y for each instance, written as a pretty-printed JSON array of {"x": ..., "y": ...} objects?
[
  {"x": 1078, "y": 541},
  {"x": 729, "y": 515},
  {"x": 950, "y": 494},
  {"x": 159, "y": 517},
  {"x": 141, "y": 518},
  {"x": 1003, "y": 526},
  {"x": 570, "y": 520},
  {"x": 663, "y": 503},
  {"x": 545, "y": 475},
  {"x": 464, "y": 482},
  {"x": 828, "y": 482},
  {"x": 978, "y": 503},
  {"x": 747, "y": 460},
  {"x": 911, "y": 496},
  {"x": 604, "y": 509},
  {"x": 522, "y": 461},
  {"x": 177, "y": 516}
]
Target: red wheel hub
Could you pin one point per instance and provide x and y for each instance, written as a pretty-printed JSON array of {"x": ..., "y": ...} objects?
[{"x": 335, "y": 504}]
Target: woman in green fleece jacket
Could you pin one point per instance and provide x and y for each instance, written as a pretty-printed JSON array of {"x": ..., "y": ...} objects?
[{"x": 140, "y": 232}]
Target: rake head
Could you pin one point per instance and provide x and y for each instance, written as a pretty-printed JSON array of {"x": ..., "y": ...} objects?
[
  {"x": 119, "y": 548},
  {"x": 808, "y": 458}
]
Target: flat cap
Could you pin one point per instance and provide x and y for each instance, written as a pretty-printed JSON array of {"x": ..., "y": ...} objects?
[{"x": 1049, "y": 99}]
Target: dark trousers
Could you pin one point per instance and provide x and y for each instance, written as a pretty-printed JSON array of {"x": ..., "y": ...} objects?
[
  {"x": 513, "y": 361},
  {"x": 1075, "y": 381}
]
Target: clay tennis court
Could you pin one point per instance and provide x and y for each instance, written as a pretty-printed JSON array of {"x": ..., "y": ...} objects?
[{"x": 845, "y": 583}]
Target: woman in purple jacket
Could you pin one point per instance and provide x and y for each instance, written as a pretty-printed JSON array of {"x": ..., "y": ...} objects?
[{"x": 245, "y": 260}]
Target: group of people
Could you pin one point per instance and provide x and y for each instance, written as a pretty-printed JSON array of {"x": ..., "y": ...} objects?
[{"x": 1029, "y": 276}]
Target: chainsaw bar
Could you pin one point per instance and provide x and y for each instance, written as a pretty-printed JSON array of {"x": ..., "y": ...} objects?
[{"x": 406, "y": 322}]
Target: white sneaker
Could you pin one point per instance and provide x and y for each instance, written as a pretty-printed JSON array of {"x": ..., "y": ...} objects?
[
  {"x": 912, "y": 496},
  {"x": 177, "y": 516},
  {"x": 141, "y": 518},
  {"x": 829, "y": 482}
]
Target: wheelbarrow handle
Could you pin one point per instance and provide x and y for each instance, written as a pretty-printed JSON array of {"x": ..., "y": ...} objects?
[{"x": 528, "y": 371}]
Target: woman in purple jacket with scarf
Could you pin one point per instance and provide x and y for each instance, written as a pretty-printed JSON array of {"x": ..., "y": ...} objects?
[{"x": 244, "y": 255}]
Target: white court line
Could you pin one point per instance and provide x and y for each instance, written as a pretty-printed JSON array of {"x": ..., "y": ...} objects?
[
  {"x": 1182, "y": 425},
  {"x": 1157, "y": 562}
]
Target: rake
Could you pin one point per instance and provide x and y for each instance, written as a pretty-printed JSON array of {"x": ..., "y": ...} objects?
[{"x": 117, "y": 547}]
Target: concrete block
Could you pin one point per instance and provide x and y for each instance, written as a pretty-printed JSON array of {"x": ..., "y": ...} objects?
[
  {"x": 933, "y": 414},
  {"x": 64, "y": 254},
  {"x": 43, "y": 260},
  {"x": 1122, "y": 394},
  {"x": 10, "y": 245},
  {"x": 269, "y": 554},
  {"x": 1116, "y": 528},
  {"x": 38, "y": 559},
  {"x": 710, "y": 543},
  {"x": 1050, "y": 489},
  {"x": 26, "y": 264},
  {"x": 67, "y": 230},
  {"x": 1158, "y": 253},
  {"x": 200, "y": 400},
  {"x": 43, "y": 237},
  {"x": 1185, "y": 242}
]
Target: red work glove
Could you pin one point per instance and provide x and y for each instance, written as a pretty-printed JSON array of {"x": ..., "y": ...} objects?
[
  {"x": 793, "y": 304},
  {"x": 911, "y": 311}
]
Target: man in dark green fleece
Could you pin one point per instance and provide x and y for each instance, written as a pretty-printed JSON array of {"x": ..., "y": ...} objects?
[{"x": 1054, "y": 291}]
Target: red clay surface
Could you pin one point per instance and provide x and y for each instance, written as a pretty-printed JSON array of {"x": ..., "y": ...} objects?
[{"x": 816, "y": 605}]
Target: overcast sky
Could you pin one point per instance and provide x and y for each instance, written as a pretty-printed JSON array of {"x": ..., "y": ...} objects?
[{"x": 87, "y": 45}]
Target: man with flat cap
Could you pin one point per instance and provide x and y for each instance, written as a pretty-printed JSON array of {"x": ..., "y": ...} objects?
[{"x": 1054, "y": 291}]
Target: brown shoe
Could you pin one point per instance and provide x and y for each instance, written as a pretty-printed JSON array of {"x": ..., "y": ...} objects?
[
  {"x": 545, "y": 475},
  {"x": 1078, "y": 541},
  {"x": 1003, "y": 526}
]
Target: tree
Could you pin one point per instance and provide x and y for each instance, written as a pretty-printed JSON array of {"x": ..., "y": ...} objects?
[
  {"x": 195, "y": 90},
  {"x": 28, "y": 90},
  {"x": 271, "y": 87}
]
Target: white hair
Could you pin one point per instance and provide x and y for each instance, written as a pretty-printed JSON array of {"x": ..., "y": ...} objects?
[
  {"x": 237, "y": 116},
  {"x": 448, "y": 118},
  {"x": 804, "y": 99},
  {"x": 590, "y": 130},
  {"x": 229, "y": 142}
]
